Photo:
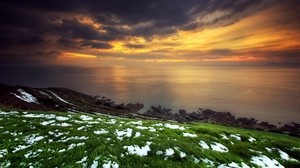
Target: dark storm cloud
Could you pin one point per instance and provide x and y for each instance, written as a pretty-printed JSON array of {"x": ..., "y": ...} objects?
[{"x": 28, "y": 25}]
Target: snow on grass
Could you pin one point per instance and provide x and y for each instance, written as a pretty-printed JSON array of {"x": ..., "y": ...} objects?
[
  {"x": 236, "y": 136},
  {"x": 135, "y": 123},
  {"x": 47, "y": 116},
  {"x": 141, "y": 127},
  {"x": 65, "y": 139},
  {"x": 56, "y": 133},
  {"x": 25, "y": 96},
  {"x": 224, "y": 136},
  {"x": 86, "y": 118},
  {"x": 61, "y": 118},
  {"x": 140, "y": 151},
  {"x": 125, "y": 133},
  {"x": 20, "y": 147},
  {"x": 3, "y": 152},
  {"x": 203, "y": 144},
  {"x": 59, "y": 98},
  {"x": 159, "y": 152},
  {"x": 169, "y": 152},
  {"x": 94, "y": 164},
  {"x": 102, "y": 131},
  {"x": 137, "y": 134},
  {"x": 181, "y": 154},
  {"x": 219, "y": 147},
  {"x": 32, "y": 139},
  {"x": 33, "y": 154},
  {"x": 110, "y": 164},
  {"x": 208, "y": 161},
  {"x": 47, "y": 122},
  {"x": 71, "y": 146},
  {"x": 251, "y": 139},
  {"x": 266, "y": 162},
  {"x": 189, "y": 135},
  {"x": 233, "y": 165},
  {"x": 61, "y": 124},
  {"x": 172, "y": 126},
  {"x": 80, "y": 128},
  {"x": 83, "y": 161},
  {"x": 111, "y": 121}
]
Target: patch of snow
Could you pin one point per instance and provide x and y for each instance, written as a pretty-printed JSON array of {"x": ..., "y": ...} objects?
[
  {"x": 224, "y": 136},
  {"x": 43, "y": 93},
  {"x": 48, "y": 116},
  {"x": 172, "y": 126},
  {"x": 59, "y": 98},
  {"x": 140, "y": 151},
  {"x": 208, "y": 161},
  {"x": 125, "y": 133},
  {"x": 20, "y": 147},
  {"x": 25, "y": 96},
  {"x": 203, "y": 145},
  {"x": 189, "y": 135},
  {"x": 196, "y": 160},
  {"x": 169, "y": 152},
  {"x": 219, "y": 147},
  {"x": 285, "y": 156},
  {"x": 61, "y": 118},
  {"x": 142, "y": 127},
  {"x": 268, "y": 149},
  {"x": 61, "y": 124},
  {"x": 62, "y": 150},
  {"x": 65, "y": 139},
  {"x": 110, "y": 164},
  {"x": 71, "y": 146},
  {"x": 81, "y": 128},
  {"x": 255, "y": 151},
  {"x": 47, "y": 122},
  {"x": 111, "y": 121},
  {"x": 3, "y": 152},
  {"x": 135, "y": 123},
  {"x": 158, "y": 125},
  {"x": 83, "y": 161},
  {"x": 237, "y": 136},
  {"x": 102, "y": 131},
  {"x": 86, "y": 118},
  {"x": 266, "y": 162},
  {"x": 159, "y": 152},
  {"x": 93, "y": 122},
  {"x": 251, "y": 139},
  {"x": 3, "y": 113},
  {"x": 32, "y": 139},
  {"x": 94, "y": 164},
  {"x": 137, "y": 134}
]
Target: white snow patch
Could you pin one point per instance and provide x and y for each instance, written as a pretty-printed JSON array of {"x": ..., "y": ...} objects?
[
  {"x": 158, "y": 125},
  {"x": 189, "y": 135},
  {"x": 83, "y": 161},
  {"x": 203, "y": 145},
  {"x": 208, "y": 161},
  {"x": 142, "y": 127},
  {"x": 237, "y": 136},
  {"x": 61, "y": 124},
  {"x": 95, "y": 164},
  {"x": 137, "y": 134},
  {"x": 265, "y": 162},
  {"x": 234, "y": 165},
  {"x": 111, "y": 121},
  {"x": 32, "y": 139},
  {"x": 48, "y": 116},
  {"x": 172, "y": 126},
  {"x": 47, "y": 122},
  {"x": 86, "y": 118},
  {"x": 25, "y": 96},
  {"x": 159, "y": 152},
  {"x": 169, "y": 152},
  {"x": 219, "y": 147},
  {"x": 251, "y": 139},
  {"x": 140, "y": 151},
  {"x": 196, "y": 160},
  {"x": 71, "y": 146},
  {"x": 81, "y": 128},
  {"x": 110, "y": 164},
  {"x": 61, "y": 118},
  {"x": 224, "y": 136},
  {"x": 59, "y": 98},
  {"x": 65, "y": 139},
  {"x": 135, "y": 123},
  {"x": 102, "y": 131},
  {"x": 125, "y": 133},
  {"x": 3, "y": 152},
  {"x": 20, "y": 147}
]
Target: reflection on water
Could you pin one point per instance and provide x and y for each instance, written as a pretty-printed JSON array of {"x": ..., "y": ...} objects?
[{"x": 266, "y": 93}]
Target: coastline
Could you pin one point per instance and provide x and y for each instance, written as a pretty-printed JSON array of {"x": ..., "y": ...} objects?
[{"x": 62, "y": 99}]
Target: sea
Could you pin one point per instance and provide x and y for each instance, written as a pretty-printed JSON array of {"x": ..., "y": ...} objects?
[{"x": 266, "y": 93}]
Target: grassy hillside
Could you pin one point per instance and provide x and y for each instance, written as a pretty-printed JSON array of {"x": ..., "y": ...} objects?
[{"x": 52, "y": 139}]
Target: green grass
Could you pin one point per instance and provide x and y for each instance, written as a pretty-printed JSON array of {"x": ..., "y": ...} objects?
[{"x": 51, "y": 151}]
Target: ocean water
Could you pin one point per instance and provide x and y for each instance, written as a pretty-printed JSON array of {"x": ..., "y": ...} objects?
[{"x": 266, "y": 93}]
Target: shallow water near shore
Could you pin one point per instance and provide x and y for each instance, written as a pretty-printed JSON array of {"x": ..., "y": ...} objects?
[{"x": 266, "y": 93}]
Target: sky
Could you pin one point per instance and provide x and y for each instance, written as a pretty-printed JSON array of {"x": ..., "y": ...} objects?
[{"x": 91, "y": 33}]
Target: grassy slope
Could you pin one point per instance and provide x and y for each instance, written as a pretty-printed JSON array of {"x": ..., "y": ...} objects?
[{"x": 14, "y": 128}]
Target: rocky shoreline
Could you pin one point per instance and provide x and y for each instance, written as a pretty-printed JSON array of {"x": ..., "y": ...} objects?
[{"x": 61, "y": 99}]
